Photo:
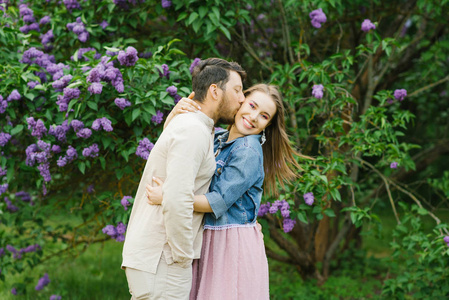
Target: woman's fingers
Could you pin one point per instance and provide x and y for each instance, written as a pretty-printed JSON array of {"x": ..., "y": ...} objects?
[{"x": 158, "y": 180}]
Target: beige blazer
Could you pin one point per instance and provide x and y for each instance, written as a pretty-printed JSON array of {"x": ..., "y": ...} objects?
[{"x": 184, "y": 158}]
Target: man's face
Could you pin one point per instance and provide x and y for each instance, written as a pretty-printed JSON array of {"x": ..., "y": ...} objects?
[{"x": 232, "y": 99}]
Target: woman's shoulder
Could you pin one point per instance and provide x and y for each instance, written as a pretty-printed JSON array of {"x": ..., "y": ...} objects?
[{"x": 250, "y": 143}]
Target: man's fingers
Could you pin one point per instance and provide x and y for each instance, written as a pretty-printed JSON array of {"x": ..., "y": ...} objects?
[{"x": 192, "y": 94}]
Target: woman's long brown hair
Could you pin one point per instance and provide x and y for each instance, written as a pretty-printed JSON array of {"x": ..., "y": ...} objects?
[{"x": 278, "y": 155}]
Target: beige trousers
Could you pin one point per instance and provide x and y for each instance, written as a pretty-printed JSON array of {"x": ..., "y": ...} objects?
[{"x": 171, "y": 282}]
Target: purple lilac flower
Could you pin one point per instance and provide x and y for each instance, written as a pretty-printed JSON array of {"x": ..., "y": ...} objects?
[
  {"x": 84, "y": 133},
  {"x": 110, "y": 230},
  {"x": 158, "y": 118},
  {"x": 104, "y": 123},
  {"x": 62, "y": 82},
  {"x": 56, "y": 148},
  {"x": 4, "y": 138},
  {"x": 400, "y": 94},
  {"x": 144, "y": 148},
  {"x": 317, "y": 91},
  {"x": 3, "y": 188},
  {"x": 177, "y": 98},
  {"x": 24, "y": 196},
  {"x": 104, "y": 24},
  {"x": 367, "y": 25},
  {"x": 2, "y": 252},
  {"x": 71, "y": 5},
  {"x": 31, "y": 154},
  {"x": 82, "y": 51},
  {"x": 165, "y": 3},
  {"x": 111, "y": 53},
  {"x": 172, "y": 90},
  {"x": 90, "y": 189},
  {"x": 77, "y": 125},
  {"x": 14, "y": 291},
  {"x": 59, "y": 131},
  {"x": 44, "y": 189},
  {"x": 122, "y": 103},
  {"x": 288, "y": 225},
  {"x": 125, "y": 202},
  {"x": 446, "y": 240},
  {"x": 12, "y": 208},
  {"x": 38, "y": 127},
  {"x": 44, "y": 20},
  {"x": 79, "y": 29},
  {"x": 195, "y": 63},
  {"x": 55, "y": 297},
  {"x": 91, "y": 151},
  {"x": 3, "y": 171},
  {"x": 146, "y": 54},
  {"x": 47, "y": 37},
  {"x": 14, "y": 96},
  {"x": 394, "y": 165},
  {"x": 30, "y": 248},
  {"x": 32, "y": 84},
  {"x": 128, "y": 58},
  {"x": 62, "y": 161},
  {"x": 165, "y": 71},
  {"x": 43, "y": 281},
  {"x": 121, "y": 228},
  {"x": 309, "y": 198},
  {"x": 3, "y": 105},
  {"x": 317, "y": 18},
  {"x": 44, "y": 170},
  {"x": 71, "y": 153},
  {"x": 24, "y": 10}
]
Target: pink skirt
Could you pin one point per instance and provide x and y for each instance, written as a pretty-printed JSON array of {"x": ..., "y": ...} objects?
[{"x": 233, "y": 266}]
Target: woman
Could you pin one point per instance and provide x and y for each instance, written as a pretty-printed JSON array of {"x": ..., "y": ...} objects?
[{"x": 253, "y": 153}]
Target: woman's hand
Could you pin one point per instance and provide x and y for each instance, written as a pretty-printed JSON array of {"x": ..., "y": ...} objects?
[
  {"x": 154, "y": 193},
  {"x": 184, "y": 105}
]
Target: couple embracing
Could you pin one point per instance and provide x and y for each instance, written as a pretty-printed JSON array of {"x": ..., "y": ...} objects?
[{"x": 193, "y": 233}]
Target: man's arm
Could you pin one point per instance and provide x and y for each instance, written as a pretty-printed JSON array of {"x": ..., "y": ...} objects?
[{"x": 188, "y": 146}]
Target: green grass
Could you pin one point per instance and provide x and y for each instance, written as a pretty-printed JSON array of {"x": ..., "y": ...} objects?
[{"x": 94, "y": 274}]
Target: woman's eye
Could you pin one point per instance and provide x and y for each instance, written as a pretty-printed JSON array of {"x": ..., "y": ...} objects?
[{"x": 251, "y": 105}]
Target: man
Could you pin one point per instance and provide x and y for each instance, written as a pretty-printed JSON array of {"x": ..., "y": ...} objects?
[{"x": 162, "y": 241}]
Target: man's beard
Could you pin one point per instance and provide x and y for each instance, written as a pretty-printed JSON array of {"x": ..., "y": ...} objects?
[{"x": 226, "y": 114}]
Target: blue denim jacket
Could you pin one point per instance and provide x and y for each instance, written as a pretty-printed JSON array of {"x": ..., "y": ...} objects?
[{"x": 236, "y": 188}]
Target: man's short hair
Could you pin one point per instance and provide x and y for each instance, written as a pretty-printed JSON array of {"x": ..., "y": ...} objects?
[{"x": 213, "y": 71}]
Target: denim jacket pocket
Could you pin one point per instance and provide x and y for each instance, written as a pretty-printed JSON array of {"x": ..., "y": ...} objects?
[{"x": 219, "y": 167}]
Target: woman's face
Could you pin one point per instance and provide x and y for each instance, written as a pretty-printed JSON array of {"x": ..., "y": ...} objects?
[{"x": 255, "y": 114}]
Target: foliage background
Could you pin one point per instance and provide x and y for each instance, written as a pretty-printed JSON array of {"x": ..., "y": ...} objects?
[{"x": 355, "y": 131}]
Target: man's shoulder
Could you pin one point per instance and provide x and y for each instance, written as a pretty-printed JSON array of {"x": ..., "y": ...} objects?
[{"x": 189, "y": 121}]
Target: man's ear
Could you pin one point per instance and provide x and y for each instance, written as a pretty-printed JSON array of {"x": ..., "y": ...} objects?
[{"x": 214, "y": 91}]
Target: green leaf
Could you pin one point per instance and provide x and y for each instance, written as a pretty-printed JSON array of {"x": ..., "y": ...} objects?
[
  {"x": 17, "y": 129},
  {"x": 423, "y": 211},
  {"x": 102, "y": 162},
  {"x": 136, "y": 113},
  {"x": 226, "y": 32},
  {"x": 302, "y": 218},
  {"x": 92, "y": 105},
  {"x": 192, "y": 18},
  {"x": 329, "y": 212},
  {"x": 82, "y": 167},
  {"x": 182, "y": 16},
  {"x": 106, "y": 142}
]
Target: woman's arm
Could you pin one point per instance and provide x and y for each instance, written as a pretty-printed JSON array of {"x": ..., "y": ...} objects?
[
  {"x": 184, "y": 105},
  {"x": 154, "y": 195}
]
